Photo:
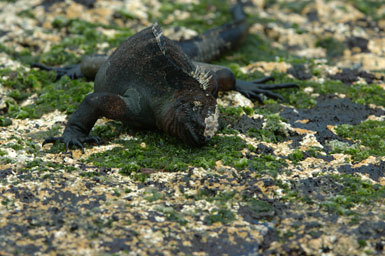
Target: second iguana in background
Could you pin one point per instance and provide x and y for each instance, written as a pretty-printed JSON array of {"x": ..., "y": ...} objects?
[{"x": 151, "y": 81}]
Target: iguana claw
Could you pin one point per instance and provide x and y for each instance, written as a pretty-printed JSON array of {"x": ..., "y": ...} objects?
[
  {"x": 72, "y": 71},
  {"x": 73, "y": 141},
  {"x": 254, "y": 89}
]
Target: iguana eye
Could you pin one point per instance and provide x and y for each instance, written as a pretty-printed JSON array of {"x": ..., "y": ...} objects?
[{"x": 196, "y": 105}]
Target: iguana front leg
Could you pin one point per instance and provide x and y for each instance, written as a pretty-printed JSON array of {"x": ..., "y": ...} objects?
[
  {"x": 251, "y": 89},
  {"x": 87, "y": 68},
  {"x": 72, "y": 71},
  {"x": 94, "y": 106}
]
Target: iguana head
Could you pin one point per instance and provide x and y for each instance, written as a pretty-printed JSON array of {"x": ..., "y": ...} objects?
[
  {"x": 191, "y": 112},
  {"x": 193, "y": 118}
]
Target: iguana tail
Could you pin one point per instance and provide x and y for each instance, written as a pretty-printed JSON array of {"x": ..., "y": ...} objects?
[{"x": 215, "y": 42}]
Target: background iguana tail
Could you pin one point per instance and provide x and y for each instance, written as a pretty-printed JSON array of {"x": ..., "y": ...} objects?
[
  {"x": 205, "y": 47},
  {"x": 215, "y": 42}
]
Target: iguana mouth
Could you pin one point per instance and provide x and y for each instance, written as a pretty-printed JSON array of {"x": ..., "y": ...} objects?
[
  {"x": 211, "y": 124},
  {"x": 199, "y": 131},
  {"x": 191, "y": 121}
]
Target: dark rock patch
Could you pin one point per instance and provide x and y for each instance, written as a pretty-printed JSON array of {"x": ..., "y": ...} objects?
[
  {"x": 220, "y": 245},
  {"x": 365, "y": 22},
  {"x": 299, "y": 71},
  {"x": 4, "y": 173},
  {"x": 261, "y": 210},
  {"x": 297, "y": 139},
  {"x": 270, "y": 237},
  {"x": 348, "y": 76},
  {"x": 263, "y": 149},
  {"x": 375, "y": 171},
  {"x": 252, "y": 192},
  {"x": 93, "y": 202},
  {"x": 23, "y": 194},
  {"x": 245, "y": 123},
  {"x": 48, "y": 3},
  {"x": 319, "y": 188},
  {"x": 293, "y": 251},
  {"x": 29, "y": 249},
  {"x": 118, "y": 245},
  {"x": 330, "y": 110},
  {"x": 252, "y": 127},
  {"x": 312, "y": 16},
  {"x": 375, "y": 229},
  {"x": 7, "y": 242},
  {"x": 379, "y": 247},
  {"x": 24, "y": 174},
  {"x": 3, "y": 32},
  {"x": 64, "y": 197},
  {"x": 87, "y": 3},
  {"x": 359, "y": 42}
]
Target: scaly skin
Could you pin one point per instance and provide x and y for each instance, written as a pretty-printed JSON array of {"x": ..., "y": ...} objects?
[
  {"x": 217, "y": 41},
  {"x": 151, "y": 81}
]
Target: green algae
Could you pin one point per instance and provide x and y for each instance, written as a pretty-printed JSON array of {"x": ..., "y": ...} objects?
[
  {"x": 28, "y": 145},
  {"x": 199, "y": 21},
  {"x": 296, "y": 156},
  {"x": 369, "y": 137},
  {"x": 84, "y": 37},
  {"x": 24, "y": 56},
  {"x": 357, "y": 152},
  {"x": 6, "y": 160},
  {"x": 348, "y": 192},
  {"x": 5, "y": 121},
  {"x": 354, "y": 191},
  {"x": 261, "y": 208},
  {"x": 46, "y": 166},
  {"x": 219, "y": 215},
  {"x": 158, "y": 151},
  {"x": 369, "y": 8},
  {"x": 221, "y": 197},
  {"x": 368, "y": 94},
  {"x": 255, "y": 48},
  {"x": 164, "y": 152},
  {"x": 152, "y": 195},
  {"x": 360, "y": 93},
  {"x": 173, "y": 215},
  {"x": 295, "y": 6},
  {"x": 64, "y": 95},
  {"x": 273, "y": 130},
  {"x": 334, "y": 48}
]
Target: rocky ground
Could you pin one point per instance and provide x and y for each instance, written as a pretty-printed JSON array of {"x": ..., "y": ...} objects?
[{"x": 300, "y": 177}]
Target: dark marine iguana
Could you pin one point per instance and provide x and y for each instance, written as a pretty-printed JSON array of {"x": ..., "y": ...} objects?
[{"x": 150, "y": 81}]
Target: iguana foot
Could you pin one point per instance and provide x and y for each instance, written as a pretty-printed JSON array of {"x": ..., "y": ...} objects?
[
  {"x": 254, "y": 89},
  {"x": 72, "y": 71},
  {"x": 69, "y": 140}
]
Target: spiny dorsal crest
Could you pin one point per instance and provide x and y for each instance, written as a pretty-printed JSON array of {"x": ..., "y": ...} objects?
[
  {"x": 202, "y": 76},
  {"x": 158, "y": 33},
  {"x": 199, "y": 74}
]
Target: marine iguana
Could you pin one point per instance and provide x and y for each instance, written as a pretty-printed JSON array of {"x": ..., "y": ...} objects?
[{"x": 150, "y": 81}]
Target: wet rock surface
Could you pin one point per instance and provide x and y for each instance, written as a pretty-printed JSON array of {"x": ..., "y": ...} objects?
[{"x": 329, "y": 111}]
